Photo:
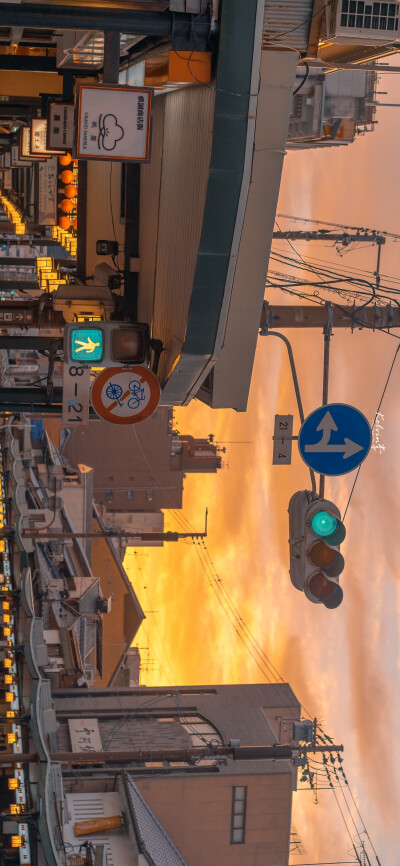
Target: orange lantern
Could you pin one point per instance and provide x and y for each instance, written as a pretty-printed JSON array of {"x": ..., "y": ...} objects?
[
  {"x": 65, "y": 159},
  {"x": 66, "y": 205},
  {"x": 67, "y": 176},
  {"x": 70, "y": 190},
  {"x": 75, "y": 223},
  {"x": 64, "y": 222}
]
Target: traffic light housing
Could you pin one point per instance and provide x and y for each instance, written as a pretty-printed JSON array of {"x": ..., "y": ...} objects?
[
  {"x": 315, "y": 534},
  {"x": 106, "y": 344}
]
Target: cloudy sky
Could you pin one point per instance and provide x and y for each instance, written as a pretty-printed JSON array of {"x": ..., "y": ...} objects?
[{"x": 343, "y": 665}]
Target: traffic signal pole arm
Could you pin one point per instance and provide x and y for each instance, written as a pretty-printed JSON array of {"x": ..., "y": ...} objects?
[{"x": 296, "y": 388}]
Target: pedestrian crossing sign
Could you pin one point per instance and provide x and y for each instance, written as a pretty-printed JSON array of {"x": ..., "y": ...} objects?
[{"x": 87, "y": 345}]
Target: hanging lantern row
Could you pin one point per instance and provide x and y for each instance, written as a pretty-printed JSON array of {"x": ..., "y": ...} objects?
[{"x": 69, "y": 177}]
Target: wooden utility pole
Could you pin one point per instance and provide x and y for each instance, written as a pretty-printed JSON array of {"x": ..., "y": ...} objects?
[
  {"x": 57, "y": 535},
  {"x": 373, "y": 317},
  {"x": 345, "y": 238},
  {"x": 275, "y": 752}
]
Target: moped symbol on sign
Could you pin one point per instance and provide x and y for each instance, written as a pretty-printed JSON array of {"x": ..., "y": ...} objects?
[{"x": 335, "y": 439}]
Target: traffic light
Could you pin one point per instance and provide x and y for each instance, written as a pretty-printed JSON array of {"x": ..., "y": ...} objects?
[
  {"x": 315, "y": 534},
  {"x": 106, "y": 344}
]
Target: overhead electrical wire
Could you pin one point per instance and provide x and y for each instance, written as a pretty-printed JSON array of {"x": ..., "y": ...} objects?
[{"x": 252, "y": 646}]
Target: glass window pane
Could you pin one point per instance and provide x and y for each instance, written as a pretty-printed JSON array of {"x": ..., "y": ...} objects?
[
  {"x": 238, "y": 821},
  {"x": 240, "y": 792},
  {"x": 238, "y": 807},
  {"x": 237, "y": 836}
]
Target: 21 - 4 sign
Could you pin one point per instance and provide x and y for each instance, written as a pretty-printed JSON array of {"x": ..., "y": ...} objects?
[{"x": 76, "y": 387}]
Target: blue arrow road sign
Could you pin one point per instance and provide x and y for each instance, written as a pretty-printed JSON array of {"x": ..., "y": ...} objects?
[
  {"x": 335, "y": 439},
  {"x": 87, "y": 345}
]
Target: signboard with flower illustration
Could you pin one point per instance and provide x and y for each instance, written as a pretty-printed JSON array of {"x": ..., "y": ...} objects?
[{"x": 113, "y": 123}]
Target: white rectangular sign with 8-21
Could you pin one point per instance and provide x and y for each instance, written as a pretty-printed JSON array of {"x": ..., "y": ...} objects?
[{"x": 76, "y": 387}]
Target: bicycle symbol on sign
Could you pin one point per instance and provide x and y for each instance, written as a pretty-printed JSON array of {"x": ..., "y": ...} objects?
[{"x": 114, "y": 392}]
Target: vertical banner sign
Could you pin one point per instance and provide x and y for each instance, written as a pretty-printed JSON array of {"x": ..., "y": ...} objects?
[
  {"x": 47, "y": 215},
  {"x": 7, "y": 159},
  {"x": 60, "y": 126},
  {"x": 113, "y": 123}
]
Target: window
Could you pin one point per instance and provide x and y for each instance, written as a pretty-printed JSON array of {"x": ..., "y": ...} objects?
[
  {"x": 129, "y": 494},
  {"x": 369, "y": 16},
  {"x": 200, "y": 731},
  {"x": 238, "y": 821},
  {"x": 202, "y": 734}
]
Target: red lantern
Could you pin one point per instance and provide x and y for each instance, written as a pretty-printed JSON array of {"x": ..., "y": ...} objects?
[
  {"x": 70, "y": 191},
  {"x": 66, "y": 205},
  {"x": 64, "y": 222},
  {"x": 67, "y": 176},
  {"x": 65, "y": 159}
]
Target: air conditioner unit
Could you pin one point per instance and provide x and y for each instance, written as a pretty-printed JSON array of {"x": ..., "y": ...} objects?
[{"x": 362, "y": 22}]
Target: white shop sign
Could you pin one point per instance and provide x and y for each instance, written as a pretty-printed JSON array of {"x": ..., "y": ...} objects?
[
  {"x": 60, "y": 125},
  {"x": 113, "y": 123},
  {"x": 25, "y": 146},
  {"x": 39, "y": 137}
]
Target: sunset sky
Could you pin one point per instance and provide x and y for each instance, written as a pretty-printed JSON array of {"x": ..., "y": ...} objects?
[{"x": 343, "y": 665}]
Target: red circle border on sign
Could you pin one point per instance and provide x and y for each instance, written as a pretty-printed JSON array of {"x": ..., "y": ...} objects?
[{"x": 145, "y": 375}]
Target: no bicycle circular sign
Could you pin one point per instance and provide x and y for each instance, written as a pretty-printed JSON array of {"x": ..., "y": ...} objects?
[{"x": 124, "y": 395}]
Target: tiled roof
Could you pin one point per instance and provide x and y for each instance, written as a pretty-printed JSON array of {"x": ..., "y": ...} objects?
[{"x": 153, "y": 841}]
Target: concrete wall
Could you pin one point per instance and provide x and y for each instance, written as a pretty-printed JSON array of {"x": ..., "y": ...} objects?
[{"x": 196, "y": 813}]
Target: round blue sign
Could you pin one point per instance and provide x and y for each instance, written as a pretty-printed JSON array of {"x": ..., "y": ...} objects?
[{"x": 335, "y": 439}]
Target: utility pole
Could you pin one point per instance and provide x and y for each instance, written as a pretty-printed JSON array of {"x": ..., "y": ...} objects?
[
  {"x": 236, "y": 753},
  {"x": 373, "y": 317},
  {"x": 56, "y": 535},
  {"x": 345, "y": 238}
]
